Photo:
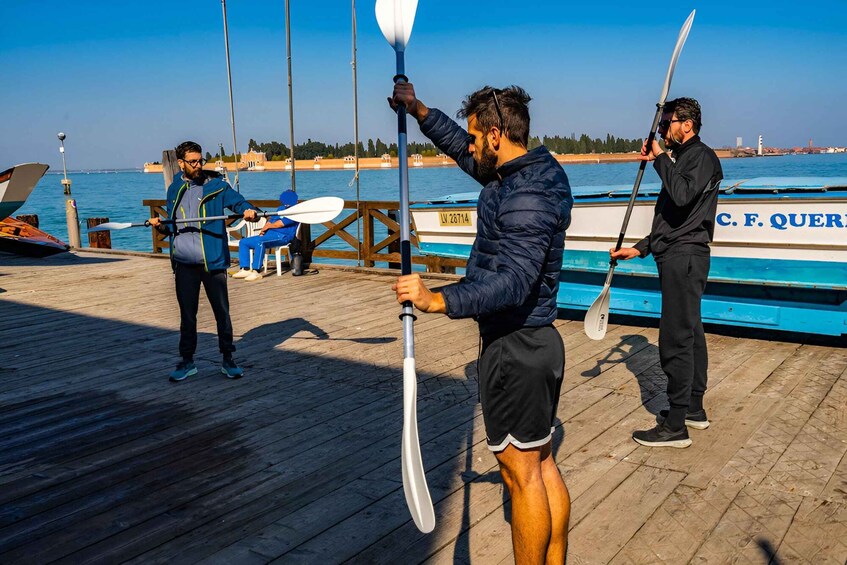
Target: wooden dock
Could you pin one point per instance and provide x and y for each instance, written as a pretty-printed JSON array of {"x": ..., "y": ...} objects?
[{"x": 103, "y": 460}]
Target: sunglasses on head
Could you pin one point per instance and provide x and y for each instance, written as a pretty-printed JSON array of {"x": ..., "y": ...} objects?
[{"x": 497, "y": 107}]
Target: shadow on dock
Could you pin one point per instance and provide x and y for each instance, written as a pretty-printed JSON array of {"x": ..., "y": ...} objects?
[{"x": 102, "y": 458}]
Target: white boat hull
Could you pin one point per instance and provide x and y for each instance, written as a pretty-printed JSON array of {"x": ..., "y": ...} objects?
[
  {"x": 779, "y": 258},
  {"x": 16, "y": 184}
]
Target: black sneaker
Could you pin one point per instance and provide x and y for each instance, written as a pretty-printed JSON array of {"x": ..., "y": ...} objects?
[
  {"x": 696, "y": 420},
  {"x": 230, "y": 369},
  {"x": 660, "y": 436}
]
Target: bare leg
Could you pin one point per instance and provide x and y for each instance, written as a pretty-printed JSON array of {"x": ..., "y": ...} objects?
[
  {"x": 560, "y": 507},
  {"x": 531, "y": 518}
]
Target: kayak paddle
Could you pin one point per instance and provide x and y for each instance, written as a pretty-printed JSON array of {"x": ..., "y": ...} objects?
[
  {"x": 395, "y": 19},
  {"x": 314, "y": 211},
  {"x": 596, "y": 319}
]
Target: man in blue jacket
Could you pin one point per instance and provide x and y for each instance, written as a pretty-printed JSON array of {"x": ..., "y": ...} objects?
[
  {"x": 510, "y": 287},
  {"x": 683, "y": 227},
  {"x": 200, "y": 253}
]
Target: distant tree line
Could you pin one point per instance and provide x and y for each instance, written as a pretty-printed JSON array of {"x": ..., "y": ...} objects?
[
  {"x": 584, "y": 144},
  {"x": 278, "y": 151}
]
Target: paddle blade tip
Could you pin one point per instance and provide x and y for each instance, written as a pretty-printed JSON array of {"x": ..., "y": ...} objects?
[
  {"x": 597, "y": 318},
  {"x": 396, "y": 19},
  {"x": 595, "y": 333},
  {"x": 425, "y": 523}
]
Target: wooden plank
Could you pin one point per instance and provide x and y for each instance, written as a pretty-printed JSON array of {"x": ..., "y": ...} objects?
[
  {"x": 721, "y": 402},
  {"x": 678, "y": 528},
  {"x": 752, "y": 527},
  {"x": 309, "y": 477},
  {"x": 817, "y": 534},
  {"x": 106, "y": 462},
  {"x": 810, "y": 461},
  {"x": 617, "y": 518},
  {"x": 710, "y": 452},
  {"x": 479, "y": 467},
  {"x": 758, "y": 457}
]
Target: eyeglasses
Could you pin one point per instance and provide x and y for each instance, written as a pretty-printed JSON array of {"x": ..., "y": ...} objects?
[
  {"x": 195, "y": 162},
  {"x": 497, "y": 107},
  {"x": 665, "y": 124}
]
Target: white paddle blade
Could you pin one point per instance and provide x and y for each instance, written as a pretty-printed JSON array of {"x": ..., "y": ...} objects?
[
  {"x": 683, "y": 35},
  {"x": 414, "y": 479},
  {"x": 108, "y": 226},
  {"x": 395, "y": 19},
  {"x": 597, "y": 317},
  {"x": 316, "y": 210}
]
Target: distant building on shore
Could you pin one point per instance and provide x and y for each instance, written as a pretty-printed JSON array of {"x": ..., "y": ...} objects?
[{"x": 253, "y": 160}]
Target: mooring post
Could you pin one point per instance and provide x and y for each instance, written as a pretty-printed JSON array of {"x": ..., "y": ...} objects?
[
  {"x": 31, "y": 219},
  {"x": 170, "y": 167},
  {"x": 100, "y": 239},
  {"x": 71, "y": 213}
]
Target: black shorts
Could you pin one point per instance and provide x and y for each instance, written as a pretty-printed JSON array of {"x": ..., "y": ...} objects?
[{"x": 520, "y": 378}]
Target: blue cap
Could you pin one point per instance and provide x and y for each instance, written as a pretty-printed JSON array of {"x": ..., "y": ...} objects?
[{"x": 288, "y": 198}]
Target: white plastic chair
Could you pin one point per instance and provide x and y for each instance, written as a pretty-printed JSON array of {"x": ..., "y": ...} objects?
[
  {"x": 277, "y": 251},
  {"x": 249, "y": 230}
]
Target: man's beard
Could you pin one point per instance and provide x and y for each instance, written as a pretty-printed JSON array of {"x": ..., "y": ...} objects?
[
  {"x": 486, "y": 167},
  {"x": 670, "y": 142},
  {"x": 193, "y": 174}
]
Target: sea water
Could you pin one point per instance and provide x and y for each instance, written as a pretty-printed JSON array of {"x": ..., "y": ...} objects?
[{"x": 117, "y": 195}]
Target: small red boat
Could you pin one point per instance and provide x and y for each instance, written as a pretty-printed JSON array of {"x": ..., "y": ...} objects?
[
  {"x": 21, "y": 238},
  {"x": 16, "y": 184}
]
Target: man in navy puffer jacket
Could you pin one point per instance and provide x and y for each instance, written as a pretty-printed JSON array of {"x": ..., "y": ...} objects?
[{"x": 510, "y": 288}]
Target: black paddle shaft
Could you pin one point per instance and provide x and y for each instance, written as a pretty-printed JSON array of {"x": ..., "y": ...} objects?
[
  {"x": 211, "y": 218},
  {"x": 652, "y": 136}
]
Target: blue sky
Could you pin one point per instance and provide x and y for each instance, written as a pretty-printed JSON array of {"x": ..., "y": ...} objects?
[{"x": 125, "y": 80}]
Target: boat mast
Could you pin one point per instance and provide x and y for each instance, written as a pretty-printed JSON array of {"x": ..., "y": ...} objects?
[
  {"x": 231, "y": 105},
  {"x": 356, "y": 142},
  {"x": 290, "y": 92}
]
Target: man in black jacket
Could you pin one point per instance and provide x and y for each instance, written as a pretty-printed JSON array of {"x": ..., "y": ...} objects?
[
  {"x": 683, "y": 226},
  {"x": 510, "y": 288}
]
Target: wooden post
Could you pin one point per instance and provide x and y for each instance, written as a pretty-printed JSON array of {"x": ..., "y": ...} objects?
[
  {"x": 170, "y": 167},
  {"x": 72, "y": 219},
  {"x": 100, "y": 239},
  {"x": 160, "y": 241},
  {"x": 367, "y": 236},
  {"x": 395, "y": 246},
  {"x": 31, "y": 219}
]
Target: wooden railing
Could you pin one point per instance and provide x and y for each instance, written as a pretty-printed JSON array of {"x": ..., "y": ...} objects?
[{"x": 370, "y": 251}]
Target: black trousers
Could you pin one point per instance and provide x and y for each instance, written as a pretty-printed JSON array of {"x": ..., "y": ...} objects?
[
  {"x": 682, "y": 342},
  {"x": 188, "y": 280}
]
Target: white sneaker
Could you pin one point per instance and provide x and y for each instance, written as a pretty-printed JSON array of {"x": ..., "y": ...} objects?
[
  {"x": 242, "y": 274},
  {"x": 253, "y": 276}
]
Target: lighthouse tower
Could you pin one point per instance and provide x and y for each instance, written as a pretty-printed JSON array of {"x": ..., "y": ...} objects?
[{"x": 759, "y": 150}]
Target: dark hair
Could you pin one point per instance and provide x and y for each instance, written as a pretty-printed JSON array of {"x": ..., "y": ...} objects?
[
  {"x": 187, "y": 147},
  {"x": 513, "y": 105},
  {"x": 686, "y": 109}
]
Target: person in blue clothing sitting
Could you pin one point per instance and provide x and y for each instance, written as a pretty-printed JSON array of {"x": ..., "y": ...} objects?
[{"x": 279, "y": 230}]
